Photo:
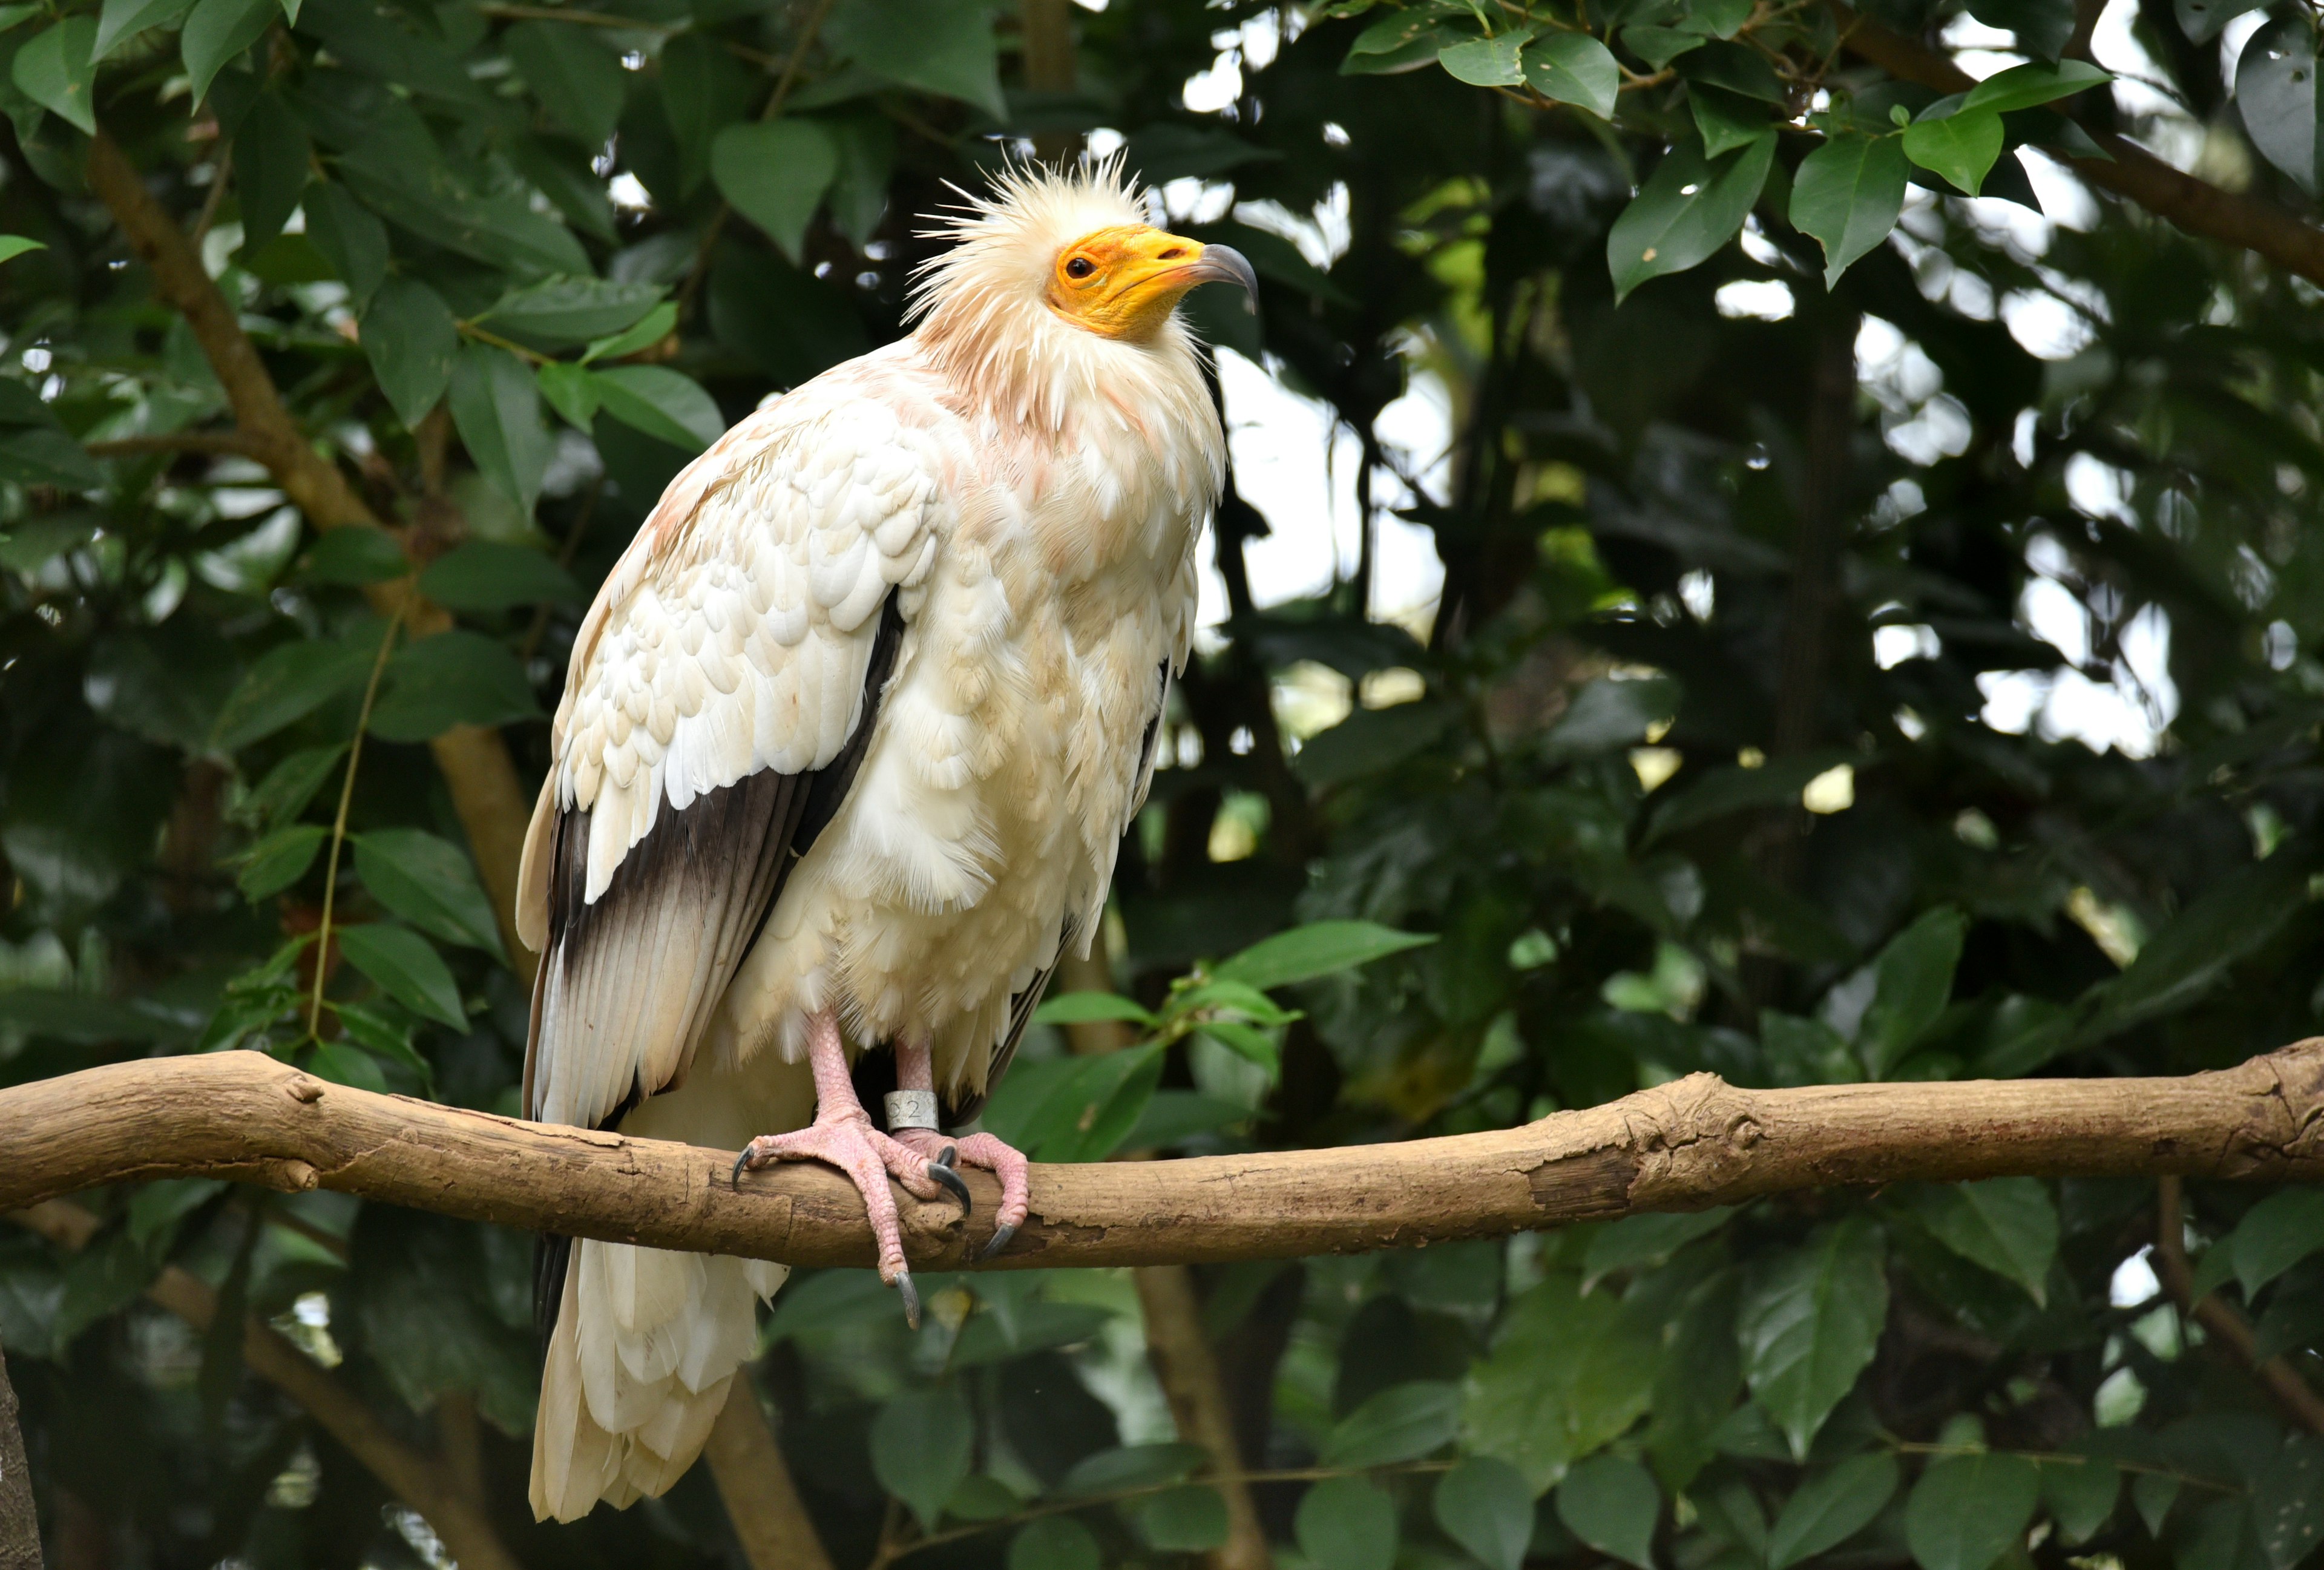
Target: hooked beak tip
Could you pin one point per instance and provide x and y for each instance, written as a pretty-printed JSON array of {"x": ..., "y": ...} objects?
[{"x": 1225, "y": 264}]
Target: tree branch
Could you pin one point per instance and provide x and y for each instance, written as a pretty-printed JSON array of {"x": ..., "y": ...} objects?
[
  {"x": 493, "y": 807},
  {"x": 1694, "y": 1142},
  {"x": 761, "y": 1501},
  {"x": 2135, "y": 174},
  {"x": 418, "y": 1479}
]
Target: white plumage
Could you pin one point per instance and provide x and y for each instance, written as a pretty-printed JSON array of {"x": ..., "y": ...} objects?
[{"x": 1011, "y": 498}]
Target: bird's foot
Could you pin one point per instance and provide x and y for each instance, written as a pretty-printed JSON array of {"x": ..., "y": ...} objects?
[
  {"x": 1003, "y": 1161},
  {"x": 846, "y": 1139}
]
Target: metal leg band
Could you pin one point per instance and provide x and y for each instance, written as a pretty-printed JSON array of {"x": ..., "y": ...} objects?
[{"x": 912, "y": 1109}]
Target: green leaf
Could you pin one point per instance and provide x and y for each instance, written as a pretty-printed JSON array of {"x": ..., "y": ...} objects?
[
  {"x": 279, "y": 860},
  {"x": 15, "y": 246},
  {"x": 1962, "y": 147},
  {"x": 1810, "y": 1323},
  {"x": 351, "y": 557},
  {"x": 569, "y": 391},
  {"x": 54, "y": 70},
  {"x": 2026, "y": 86},
  {"x": 557, "y": 313},
  {"x": 1610, "y": 1502},
  {"x": 1247, "y": 1042},
  {"x": 1915, "y": 981},
  {"x": 342, "y": 1065},
  {"x": 667, "y": 405},
  {"x": 1486, "y": 62},
  {"x": 410, "y": 339},
  {"x": 2275, "y": 92},
  {"x": 122, "y": 20},
  {"x": 36, "y": 449},
  {"x": 350, "y": 236},
  {"x": 2276, "y": 1234},
  {"x": 577, "y": 78},
  {"x": 1736, "y": 68},
  {"x": 1083, "y": 1008},
  {"x": 1637, "y": 1241},
  {"x": 775, "y": 172},
  {"x": 1189, "y": 1520},
  {"x": 491, "y": 575},
  {"x": 1967, "y": 1510},
  {"x": 290, "y": 785},
  {"x": 1346, "y": 1523},
  {"x": 2180, "y": 963},
  {"x": 496, "y": 408},
  {"x": 1574, "y": 67},
  {"x": 939, "y": 46},
  {"x": 1402, "y": 41},
  {"x": 1484, "y": 1505},
  {"x": 1132, "y": 1467},
  {"x": 1688, "y": 209},
  {"x": 1828, "y": 1510},
  {"x": 648, "y": 331},
  {"x": 285, "y": 685},
  {"x": 2080, "y": 1498},
  {"x": 1725, "y": 120},
  {"x": 2287, "y": 1505},
  {"x": 1847, "y": 194},
  {"x": 216, "y": 32},
  {"x": 429, "y": 883},
  {"x": 921, "y": 1443},
  {"x": 1401, "y": 1423},
  {"x": 100, "y": 1280},
  {"x": 1054, "y": 1543},
  {"x": 2007, "y": 1225},
  {"x": 1319, "y": 948},
  {"x": 159, "y": 1206},
  {"x": 1095, "y": 1103},
  {"x": 376, "y": 1032},
  {"x": 1659, "y": 46},
  {"x": 1566, "y": 1374},
  {"x": 452, "y": 679},
  {"x": 271, "y": 158},
  {"x": 406, "y": 969}
]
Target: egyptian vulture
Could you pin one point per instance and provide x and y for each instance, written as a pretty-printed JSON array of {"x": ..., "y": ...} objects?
[{"x": 848, "y": 741}]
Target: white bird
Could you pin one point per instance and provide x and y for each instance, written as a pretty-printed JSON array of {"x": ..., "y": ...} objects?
[{"x": 848, "y": 742}]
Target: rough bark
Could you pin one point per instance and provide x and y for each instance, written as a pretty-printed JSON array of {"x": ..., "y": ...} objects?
[
  {"x": 418, "y": 1479},
  {"x": 1694, "y": 1142},
  {"x": 494, "y": 807},
  {"x": 2134, "y": 174},
  {"x": 762, "y": 1501},
  {"x": 20, "y": 1525}
]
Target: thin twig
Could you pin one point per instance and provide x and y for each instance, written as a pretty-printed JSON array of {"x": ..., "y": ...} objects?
[
  {"x": 2293, "y": 1393},
  {"x": 717, "y": 223},
  {"x": 339, "y": 828}
]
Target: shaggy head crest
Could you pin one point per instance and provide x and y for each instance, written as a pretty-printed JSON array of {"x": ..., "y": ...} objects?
[{"x": 1055, "y": 287}]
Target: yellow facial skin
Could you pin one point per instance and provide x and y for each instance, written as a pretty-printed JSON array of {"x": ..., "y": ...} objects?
[{"x": 1123, "y": 282}]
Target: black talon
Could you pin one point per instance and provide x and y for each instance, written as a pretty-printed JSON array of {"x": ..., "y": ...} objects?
[
  {"x": 741, "y": 1161},
  {"x": 941, "y": 1171},
  {"x": 912, "y": 1297},
  {"x": 1000, "y": 1237}
]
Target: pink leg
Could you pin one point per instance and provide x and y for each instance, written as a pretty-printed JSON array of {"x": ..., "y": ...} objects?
[
  {"x": 914, "y": 1070},
  {"x": 843, "y": 1135}
]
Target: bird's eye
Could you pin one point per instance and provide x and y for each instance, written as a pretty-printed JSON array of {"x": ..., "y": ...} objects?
[{"x": 1079, "y": 267}]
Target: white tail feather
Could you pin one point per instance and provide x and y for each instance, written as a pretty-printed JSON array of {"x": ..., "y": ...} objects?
[{"x": 645, "y": 1349}]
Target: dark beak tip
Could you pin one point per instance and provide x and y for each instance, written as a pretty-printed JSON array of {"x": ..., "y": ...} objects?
[{"x": 1225, "y": 264}]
